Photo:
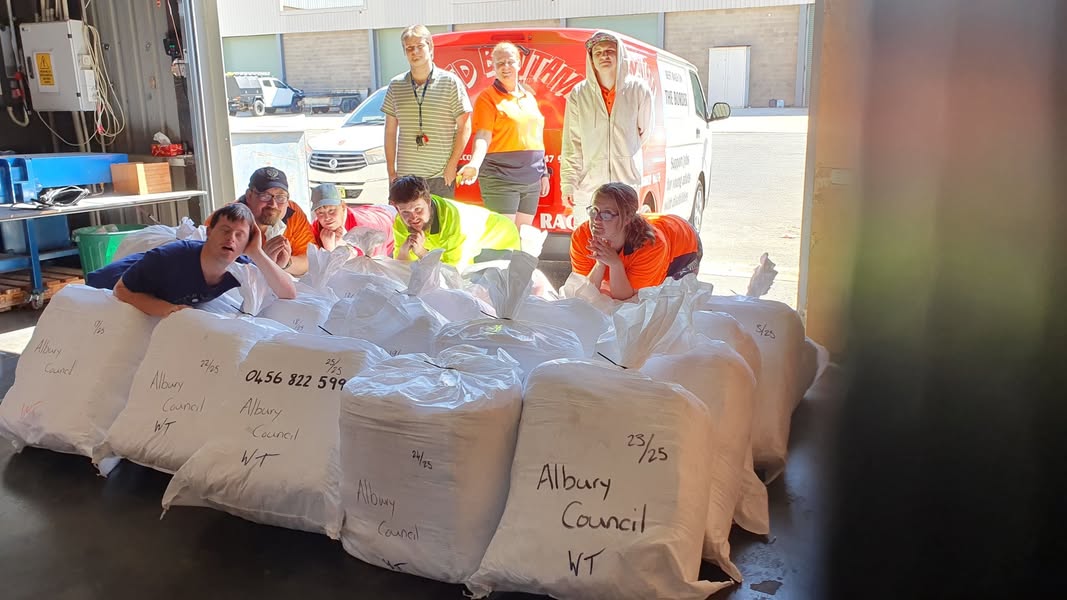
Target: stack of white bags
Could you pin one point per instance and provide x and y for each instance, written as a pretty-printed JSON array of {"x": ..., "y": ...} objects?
[
  {"x": 426, "y": 447},
  {"x": 460, "y": 429}
]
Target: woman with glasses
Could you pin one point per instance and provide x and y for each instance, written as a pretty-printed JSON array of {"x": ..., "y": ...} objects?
[
  {"x": 508, "y": 159},
  {"x": 622, "y": 251}
]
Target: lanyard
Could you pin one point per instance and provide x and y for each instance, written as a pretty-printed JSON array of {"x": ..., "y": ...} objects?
[{"x": 419, "y": 100}]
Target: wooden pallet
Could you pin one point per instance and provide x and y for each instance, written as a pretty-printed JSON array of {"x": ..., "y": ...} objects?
[{"x": 16, "y": 287}]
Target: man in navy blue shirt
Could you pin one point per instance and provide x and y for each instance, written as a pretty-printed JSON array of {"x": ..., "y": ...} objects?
[{"x": 187, "y": 273}]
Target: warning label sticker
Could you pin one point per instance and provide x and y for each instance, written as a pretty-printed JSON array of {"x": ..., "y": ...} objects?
[{"x": 46, "y": 77}]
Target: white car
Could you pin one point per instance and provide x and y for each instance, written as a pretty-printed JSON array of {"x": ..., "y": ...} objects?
[{"x": 352, "y": 156}]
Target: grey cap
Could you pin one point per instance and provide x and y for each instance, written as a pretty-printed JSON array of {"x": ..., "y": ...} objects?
[{"x": 326, "y": 194}]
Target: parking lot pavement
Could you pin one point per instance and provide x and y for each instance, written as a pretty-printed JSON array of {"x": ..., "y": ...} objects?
[
  {"x": 246, "y": 123},
  {"x": 755, "y": 200}
]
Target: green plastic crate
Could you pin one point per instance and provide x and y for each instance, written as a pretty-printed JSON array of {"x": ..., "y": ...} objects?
[{"x": 96, "y": 247}]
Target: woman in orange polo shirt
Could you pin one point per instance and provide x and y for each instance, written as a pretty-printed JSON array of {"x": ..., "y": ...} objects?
[
  {"x": 508, "y": 158},
  {"x": 622, "y": 251}
]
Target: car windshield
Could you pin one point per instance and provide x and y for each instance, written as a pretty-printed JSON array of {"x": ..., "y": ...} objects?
[{"x": 369, "y": 112}]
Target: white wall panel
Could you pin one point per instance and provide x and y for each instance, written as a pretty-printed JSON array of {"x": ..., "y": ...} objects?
[{"x": 256, "y": 17}]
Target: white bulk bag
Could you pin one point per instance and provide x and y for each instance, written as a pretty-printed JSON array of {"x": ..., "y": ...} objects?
[
  {"x": 273, "y": 454},
  {"x": 155, "y": 236},
  {"x": 399, "y": 322},
  {"x": 609, "y": 489},
  {"x": 308, "y": 311},
  {"x": 454, "y": 304},
  {"x": 718, "y": 376},
  {"x": 779, "y": 334},
  {"x": 530, "y": 343},
  {"x": 426, "y": 449},
  {"x": 173, "y": 401},
  {"x": 643, "y": 330},
  {"x": 578, "y": 286},
  {"x": 752, "y": 513},
  {"x": 575, "y": 314},
  {"x": 74, "y": 376},
  {"x": 346, "y": 284}
]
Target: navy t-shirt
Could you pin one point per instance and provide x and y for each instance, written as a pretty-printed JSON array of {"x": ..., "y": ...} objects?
[{"x": 170, "y": 272}]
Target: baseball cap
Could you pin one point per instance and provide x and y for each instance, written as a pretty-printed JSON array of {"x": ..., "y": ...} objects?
[
  {"x": 598, "y": 37},
  {"x": 325, "y": 194},
  {"x": 265, "y": 178}
]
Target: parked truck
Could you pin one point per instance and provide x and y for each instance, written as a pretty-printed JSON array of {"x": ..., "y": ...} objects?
[
  {"x": 344, "y": 101},
  {"x": 260, "y": 94}
]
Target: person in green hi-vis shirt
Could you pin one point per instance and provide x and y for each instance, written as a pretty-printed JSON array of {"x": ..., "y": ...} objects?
[{"x": 467, "y": 233}]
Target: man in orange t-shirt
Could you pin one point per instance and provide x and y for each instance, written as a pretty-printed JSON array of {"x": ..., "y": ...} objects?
[
  {"x": 285, "y": 226},
  {"x": 622, "y": 251}
]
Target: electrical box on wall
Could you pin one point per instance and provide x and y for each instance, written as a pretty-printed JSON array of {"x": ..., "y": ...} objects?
[{"x": 58, "y": 66}]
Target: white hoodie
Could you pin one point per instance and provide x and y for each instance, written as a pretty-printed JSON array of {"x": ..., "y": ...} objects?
[{"x": 597, "y": 147}]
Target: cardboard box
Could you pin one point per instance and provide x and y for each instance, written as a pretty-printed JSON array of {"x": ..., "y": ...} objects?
[{"x": 140, "y": 178}]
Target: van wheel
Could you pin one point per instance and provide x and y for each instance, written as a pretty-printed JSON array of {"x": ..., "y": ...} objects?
[
  {"x": 258, "y": 108},
  {"x": 271, "y": 111},
  {"x": 697, "y": 218}
]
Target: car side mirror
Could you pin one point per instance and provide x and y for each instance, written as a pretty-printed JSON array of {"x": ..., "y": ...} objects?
[{"x": 719, "y": 111}]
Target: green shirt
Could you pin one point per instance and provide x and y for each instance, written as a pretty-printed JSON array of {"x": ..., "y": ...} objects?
[{"x": 462, "y": 231}]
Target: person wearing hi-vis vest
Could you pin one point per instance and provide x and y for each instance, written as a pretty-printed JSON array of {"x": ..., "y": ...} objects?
[
  {"x": 608, "y": 119},
  {"x": 467, "y": 233}
]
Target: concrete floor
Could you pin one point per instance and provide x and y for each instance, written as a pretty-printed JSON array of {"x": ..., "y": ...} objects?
[{"x": 66, "y": 533}]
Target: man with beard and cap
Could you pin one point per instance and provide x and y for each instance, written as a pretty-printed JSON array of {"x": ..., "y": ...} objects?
[
  {"x": 286, "y": 229},
  {"x": 467, "y": 233},
  {"x": 608, "y": 119},
  {"x": 187, "y": 273}
]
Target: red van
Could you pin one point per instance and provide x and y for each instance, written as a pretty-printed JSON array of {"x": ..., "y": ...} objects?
[{"x": 677, "y": 157}]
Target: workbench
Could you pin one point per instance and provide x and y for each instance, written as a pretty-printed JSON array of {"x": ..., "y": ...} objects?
[{"x": 33, "y": 258}]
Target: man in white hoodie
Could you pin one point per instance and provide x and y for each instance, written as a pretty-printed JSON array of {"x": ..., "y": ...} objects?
[{"x": 609, "y": 117}]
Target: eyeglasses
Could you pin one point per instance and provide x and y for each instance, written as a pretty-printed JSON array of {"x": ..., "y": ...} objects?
[
  {"x": 595, "y": 214},
  {"x": 279, "y": 199}
]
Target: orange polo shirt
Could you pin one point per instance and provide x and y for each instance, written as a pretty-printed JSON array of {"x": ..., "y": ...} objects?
[
  {"x": 609, "y": 97},
  {"x": 516, "y": 121},
  {"x": 298, "y": 230},
  {"x": 645, "y": 266}
]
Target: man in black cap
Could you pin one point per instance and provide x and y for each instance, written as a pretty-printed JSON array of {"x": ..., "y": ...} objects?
[{"x": 284, "y": 225}]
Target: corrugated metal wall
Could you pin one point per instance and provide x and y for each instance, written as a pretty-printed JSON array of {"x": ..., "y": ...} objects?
[
  {"x": 134, "y": 31},
  {"x": 252, "y": 17},
  {"x": 131, "y": 35}
]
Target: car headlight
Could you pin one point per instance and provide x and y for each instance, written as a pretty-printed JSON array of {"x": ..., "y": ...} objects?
[{"x": 375, "y": 155}]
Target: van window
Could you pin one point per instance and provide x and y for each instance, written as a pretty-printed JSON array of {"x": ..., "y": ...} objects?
[
  {"x": 698, "y": 95},
  {"x": 267, "y": 83}
]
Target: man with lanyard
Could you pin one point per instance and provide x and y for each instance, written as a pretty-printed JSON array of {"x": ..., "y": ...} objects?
[
  {"x": 285, "y": 227},
  {"x": 427, "y": 118}
]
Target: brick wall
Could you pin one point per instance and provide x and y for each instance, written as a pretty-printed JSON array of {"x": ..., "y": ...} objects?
[
  {"x": 771, "y": 32},
  {"x": 333, "y": 60},
  {"x": 508, "y": 25}
]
